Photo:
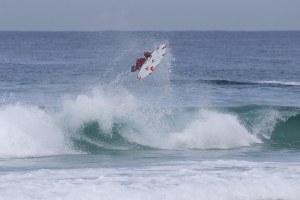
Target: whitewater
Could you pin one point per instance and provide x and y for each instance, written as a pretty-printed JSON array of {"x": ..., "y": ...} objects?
[{"x": 218, "y": 119}]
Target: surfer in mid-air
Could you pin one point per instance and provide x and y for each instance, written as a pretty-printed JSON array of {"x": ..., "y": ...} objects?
[{"x": 140, "y": 61}]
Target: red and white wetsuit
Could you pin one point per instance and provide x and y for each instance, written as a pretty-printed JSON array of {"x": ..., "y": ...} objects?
[{"x": 140, "y": 61}]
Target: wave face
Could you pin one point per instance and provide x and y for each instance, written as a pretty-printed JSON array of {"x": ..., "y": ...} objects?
[
  {"x": 102, "y": 121},
  {"x": 275, "y": 125},
  {"x": 287, "y": 133}
]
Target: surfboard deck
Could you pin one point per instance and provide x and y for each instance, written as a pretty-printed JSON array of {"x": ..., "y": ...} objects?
[{"x": 151, "y": 63}]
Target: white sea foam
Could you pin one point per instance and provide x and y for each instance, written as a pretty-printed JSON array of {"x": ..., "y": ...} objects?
[
  {"x": 29, "y": 131},
  {"x": 98, "y": 106},
  {"x": 210, "y": 180},
  {"x": 209, "y": 130},
  {"x": 289, "y": 83},
  {"x": 213, "y": 130}
]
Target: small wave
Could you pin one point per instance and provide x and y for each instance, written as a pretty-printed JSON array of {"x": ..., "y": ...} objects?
[
  {"x": 215, "y": 82},
  {"x": 280, "y": 83},
  {"x": 229, "y": 82}
]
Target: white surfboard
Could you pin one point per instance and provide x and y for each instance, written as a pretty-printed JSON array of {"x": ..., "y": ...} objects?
[{"x": 151, "y": 63}]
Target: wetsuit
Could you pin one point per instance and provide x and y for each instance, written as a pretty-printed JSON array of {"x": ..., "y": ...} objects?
[{"x": 140, "y": 61}]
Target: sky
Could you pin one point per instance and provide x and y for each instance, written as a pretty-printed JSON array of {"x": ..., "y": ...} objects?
[{"x": 97, "y": 15}]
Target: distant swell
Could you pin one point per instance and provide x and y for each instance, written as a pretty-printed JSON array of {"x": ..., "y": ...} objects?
[
  {"x": 282, "y": 83},
  {"x": 229, "y": 82}
]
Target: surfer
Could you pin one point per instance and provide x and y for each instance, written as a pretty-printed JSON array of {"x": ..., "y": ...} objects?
[{"x": 140, "y": 61}]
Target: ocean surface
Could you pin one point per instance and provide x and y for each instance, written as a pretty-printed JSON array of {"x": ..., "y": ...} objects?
[{"x": 219, "y": 119}]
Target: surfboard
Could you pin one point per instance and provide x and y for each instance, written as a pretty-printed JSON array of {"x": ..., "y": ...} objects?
[{"x": 151, "y": 63}]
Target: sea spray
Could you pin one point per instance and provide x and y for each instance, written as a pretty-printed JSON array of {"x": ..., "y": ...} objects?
[
  {"x": 29, "y": 131},
  {"x": 161, "y": 128}
]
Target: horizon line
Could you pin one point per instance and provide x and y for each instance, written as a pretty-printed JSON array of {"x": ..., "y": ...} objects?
[{"x": 285, "y": 30}]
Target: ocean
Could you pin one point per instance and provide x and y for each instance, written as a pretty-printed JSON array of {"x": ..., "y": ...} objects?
[{"x": 219, "y": 119}]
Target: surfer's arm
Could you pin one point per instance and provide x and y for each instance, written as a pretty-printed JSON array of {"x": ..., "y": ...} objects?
[{"x": 147, "y": 54}]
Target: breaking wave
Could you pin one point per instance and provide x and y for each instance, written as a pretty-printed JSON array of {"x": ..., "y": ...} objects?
[
  {"x": 29, "y": 131},
  {"x": 103, "y": 121}
]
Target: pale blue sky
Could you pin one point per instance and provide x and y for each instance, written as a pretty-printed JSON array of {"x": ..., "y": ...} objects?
[{"x": 93, "y": 15}]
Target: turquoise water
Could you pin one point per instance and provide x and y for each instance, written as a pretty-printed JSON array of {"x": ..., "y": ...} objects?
[{"x": 218, "y": 119}]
